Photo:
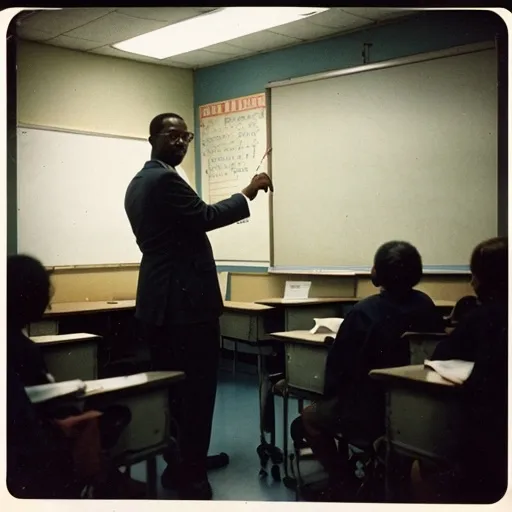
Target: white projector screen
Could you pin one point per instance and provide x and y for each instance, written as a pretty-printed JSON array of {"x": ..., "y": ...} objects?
[{"x": 403, "y": 152}]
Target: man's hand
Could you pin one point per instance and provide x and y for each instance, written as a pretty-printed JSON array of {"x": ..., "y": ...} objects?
[{"x": 259, "y": 182}]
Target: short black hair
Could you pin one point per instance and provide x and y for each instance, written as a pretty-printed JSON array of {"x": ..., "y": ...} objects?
[
  {"x": 489, "y": 264},
  {"x": 28, "y": 290},
  {"x": 156, "y": 124},
  {"x": 398, "y": 266}
]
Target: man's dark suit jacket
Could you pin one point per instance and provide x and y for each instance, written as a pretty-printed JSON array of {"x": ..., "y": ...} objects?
[{"x": 178, "y": 281}]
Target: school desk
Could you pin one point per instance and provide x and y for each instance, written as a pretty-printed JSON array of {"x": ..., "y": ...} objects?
[
  {"x": 70, "y": 356},
  {"x": 299, "y": 313},
  {"x": 149, "y": 432},
  {"x": 305, "y": 356},
  {"x": 423, "y": 417},
  {"x": 112, "y": 320},
  {"x": 423, "y": 344},
  {"x": 59, "y": 311}
]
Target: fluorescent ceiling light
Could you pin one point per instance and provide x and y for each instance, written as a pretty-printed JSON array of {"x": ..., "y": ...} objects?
[{"x": 212, "y": 28}]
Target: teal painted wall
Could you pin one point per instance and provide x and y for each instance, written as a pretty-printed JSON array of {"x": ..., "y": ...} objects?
[{"x": 428, "y": 31}]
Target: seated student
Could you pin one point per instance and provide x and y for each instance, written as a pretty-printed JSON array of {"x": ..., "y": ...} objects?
[
  {"x": 369, "y": 338},
  {"x": 482, "y": 337},
  {"x": 28, "y": 295}
]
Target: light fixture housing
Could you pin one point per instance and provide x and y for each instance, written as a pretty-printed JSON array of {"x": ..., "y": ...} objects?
[{"x": 215, "y": 27}]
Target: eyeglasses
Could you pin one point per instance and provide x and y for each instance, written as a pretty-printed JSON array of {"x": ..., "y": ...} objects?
[{"x": 175, "y": 135}]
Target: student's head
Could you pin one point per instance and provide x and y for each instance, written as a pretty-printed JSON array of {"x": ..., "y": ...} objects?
[
  {"x": 28, "y": 290},
  {"x": 397, "y": 267},
  {"x": 169, "y": 138},
  {"x": 489, "y": 269}
]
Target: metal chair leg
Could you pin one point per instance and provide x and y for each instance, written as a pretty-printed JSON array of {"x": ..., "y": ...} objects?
[
  {"x": 285, "y": 432},
  {"x": 151, "y": 479},
  {"x": 235, "y": 356}
]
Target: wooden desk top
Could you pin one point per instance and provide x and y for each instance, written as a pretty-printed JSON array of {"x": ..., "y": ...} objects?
[
  {"x": 308, "y": 302},
  {"x": 251, "y": 307},
  {"x": 123, "y": 384},
  {"x": 304, "y": 337},
  {"x": 410, "y": 375},
  {"x": 58, "y": 339},
  {"x": 73, "y": 308}
]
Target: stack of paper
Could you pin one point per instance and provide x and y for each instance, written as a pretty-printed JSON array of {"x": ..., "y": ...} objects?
[
  {"x": 455, "y": 370},
  {"x": 326, "y": 325}
]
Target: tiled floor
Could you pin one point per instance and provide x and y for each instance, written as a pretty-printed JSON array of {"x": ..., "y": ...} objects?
[{"x": 236, "y": 432}]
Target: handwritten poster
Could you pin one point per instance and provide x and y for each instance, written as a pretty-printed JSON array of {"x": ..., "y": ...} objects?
[{"x": 233, "y": 138}]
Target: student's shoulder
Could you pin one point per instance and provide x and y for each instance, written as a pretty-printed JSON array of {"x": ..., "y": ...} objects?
[
  {"x": 422, "y": 298},
  {"x": 366, "y": 304}
]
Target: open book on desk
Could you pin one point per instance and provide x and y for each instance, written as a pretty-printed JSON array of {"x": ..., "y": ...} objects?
[
  {"x": 455, "y": 370},
  {"x": 326, "y": 326},
  {"x": 79, "y": 388}
]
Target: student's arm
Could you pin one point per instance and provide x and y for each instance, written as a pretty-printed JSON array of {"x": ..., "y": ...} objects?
[{"x": 182, "y": 202}]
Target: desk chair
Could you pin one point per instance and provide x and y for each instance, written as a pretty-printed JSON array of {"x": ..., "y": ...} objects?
[
  {"x": 367, "y": 460},
  {"x": 422, "y": 345},
  {"x": 364, "y": 401}
]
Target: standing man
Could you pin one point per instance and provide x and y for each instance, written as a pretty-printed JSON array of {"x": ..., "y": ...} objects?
[{"x": 178, "y": 296}]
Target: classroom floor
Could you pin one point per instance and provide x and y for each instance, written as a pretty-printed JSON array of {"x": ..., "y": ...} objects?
[{"x": 236, "y": 432}]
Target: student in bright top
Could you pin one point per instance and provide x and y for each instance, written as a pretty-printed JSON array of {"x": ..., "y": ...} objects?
[
  {"x": 482, "y": 337},
  {"x": 55, "y": 454},
  {"x": 369, "y": 337}
]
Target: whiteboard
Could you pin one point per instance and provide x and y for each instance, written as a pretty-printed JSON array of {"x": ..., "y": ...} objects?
[
  {"x": 71, "y": 189},
  {"x": 407, "y": 152},
  {"x": 233, "y": 142}
]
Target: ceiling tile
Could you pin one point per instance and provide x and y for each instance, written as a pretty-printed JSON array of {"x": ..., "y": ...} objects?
[
  {"x": 304, "y": 29},
  {"x": 338, "y": 18},
  {"x": 265, "y": 40},
  {"x": 73, "y": 43},
  {"x": 168, "y": 14},
  {"x": 59, "y": 21},
  {"x": 200, "y": 58},
  {"x": 32, "y": 34},
  {"x": 376, "y": 13},
  {"x": 225, "y": 48},
  {"x": 114, "y": 28}
]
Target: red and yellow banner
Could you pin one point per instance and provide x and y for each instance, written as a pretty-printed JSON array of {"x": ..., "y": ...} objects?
[{"x": 230, "y": 106}]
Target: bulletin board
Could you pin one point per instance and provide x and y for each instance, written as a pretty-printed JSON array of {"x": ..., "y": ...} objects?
[{"x": 233, "y": 137}]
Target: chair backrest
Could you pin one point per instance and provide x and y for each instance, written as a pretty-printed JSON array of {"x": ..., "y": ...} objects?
[{"x": 422, "y": 345}]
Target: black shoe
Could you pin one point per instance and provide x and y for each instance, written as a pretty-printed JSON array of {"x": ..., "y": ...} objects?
[
  {"x": 217, "y": 461},
  {"x": 199, "y": 491},
  {"x": 171, "y": 473}
]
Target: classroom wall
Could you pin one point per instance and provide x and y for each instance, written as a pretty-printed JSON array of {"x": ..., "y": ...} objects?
[
  {"x": 428, "y": 31},
  {"x": 43, "y": 94},
  {"x": 72, "y": 90}
]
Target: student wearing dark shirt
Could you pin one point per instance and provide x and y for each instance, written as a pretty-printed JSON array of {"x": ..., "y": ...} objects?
[
  {"x": 369, "y": 338},
  {"x": 40, "y": 448},
  {"x": 482, "y": 337}
]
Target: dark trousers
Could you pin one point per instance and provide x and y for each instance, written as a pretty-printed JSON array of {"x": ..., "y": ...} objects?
[{"x": 194, "y": 349}]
